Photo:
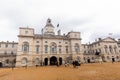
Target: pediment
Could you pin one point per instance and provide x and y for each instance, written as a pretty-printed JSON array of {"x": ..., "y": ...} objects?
[{"x": 108, "y": 39}]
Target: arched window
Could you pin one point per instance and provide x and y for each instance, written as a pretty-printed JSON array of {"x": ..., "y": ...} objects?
[
  {"x": 24, "y": 61},
  {"x": 53, "y": 47},
  {"x": 77, "y": 48},
  {"x": 25, "y": 47}
]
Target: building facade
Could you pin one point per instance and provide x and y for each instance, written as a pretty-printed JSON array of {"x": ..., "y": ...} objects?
[
  {"x": 8, "y": 51},
  {"x": 47, "y": 48},
  {"x": 107, "y": 49}
]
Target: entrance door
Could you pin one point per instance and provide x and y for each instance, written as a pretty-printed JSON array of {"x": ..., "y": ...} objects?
[
  {"x": 60, "y": 61},
  {"x": 1, "y": 64},
  {"x": 46, "y": 61},
  {"x": 113, "y": 59},
  {"x": 88, "y": 60},
  {"x": 53, "y": 60}
]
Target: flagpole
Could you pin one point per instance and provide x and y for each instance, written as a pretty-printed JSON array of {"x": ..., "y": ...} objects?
[{"x": 110, "y": 34}]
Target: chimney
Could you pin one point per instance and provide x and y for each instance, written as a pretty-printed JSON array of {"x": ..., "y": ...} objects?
[{"x": 59, "y": 32}]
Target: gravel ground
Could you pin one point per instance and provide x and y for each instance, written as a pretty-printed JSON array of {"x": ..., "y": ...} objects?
[{"x": 94, "y": 71}]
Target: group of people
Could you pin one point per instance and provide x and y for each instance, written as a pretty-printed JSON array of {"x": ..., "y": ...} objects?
[{"x": 76, "y": 64}]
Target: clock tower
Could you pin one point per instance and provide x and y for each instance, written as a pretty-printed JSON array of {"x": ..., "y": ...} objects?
[{"x": 49, "y": 28}]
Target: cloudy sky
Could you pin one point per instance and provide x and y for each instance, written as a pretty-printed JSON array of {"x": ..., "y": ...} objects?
[{"x": 93, "y": 18}]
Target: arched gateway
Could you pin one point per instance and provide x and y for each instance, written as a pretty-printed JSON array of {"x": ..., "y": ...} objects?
[{"x": 53, "y": 60}]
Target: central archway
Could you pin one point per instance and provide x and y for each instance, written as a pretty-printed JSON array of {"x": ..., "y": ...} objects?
[{"x": 53, "y": 60}]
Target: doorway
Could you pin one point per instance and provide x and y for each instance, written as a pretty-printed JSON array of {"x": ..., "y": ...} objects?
[
  {"x": 113, "y": 59},
  {"x": 60, "y": 61},
  {"x": 88, "y": 60},
  {"x": 1, "y": 65},
  {"x": 46, "y": 61}
]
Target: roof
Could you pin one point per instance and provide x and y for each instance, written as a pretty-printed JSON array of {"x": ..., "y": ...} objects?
[
  {"x": 103, "y": 40},
  {"x": 50, "y": 36}
]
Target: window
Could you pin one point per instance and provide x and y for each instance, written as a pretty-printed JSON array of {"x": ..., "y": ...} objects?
[
  {"x": 24, "y": 61},
  {"x": 46, "y": 49},
  {"x": 25, "y": 47},
  {"x": 12, "y": 52},
  {"x": 37, "y": 41},
  {"x": 84, "y": 52},
  {"x": 66, "y": 49},
  {"x": 84, "y": 46},
  {"x": 7, "y": 61},
  {"x": 66, "y": 42},
  {"x": 98, "y": 44},
  {"x": 26, "y": 32},
  {"x": 76, "y": 48},
  {"x": 108, "y": 57},
  {"x": 75, "y": 35},
  {"x": 106, "y": 48},
  {"x": 37, "y": 49},
  {"x": 60, "y": 50},
  {"x": 6, "y": 45},
  {"x": 78, "y": 58},
  {"x": 117, "y": 57},
  {"x": 5, "y": 53},
  {"x": 100, "y": 50},
  {"x": 12, "y": 45},
  {"x": 115, "y": 49},
  {"x": 92, "y": 58},
  {"x": 46, "y": 42},
  {"x": 110, "y": 49},
  {"x": 53, "y": 49}
]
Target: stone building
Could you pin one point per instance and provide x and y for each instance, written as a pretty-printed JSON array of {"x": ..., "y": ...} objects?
[
  {"x": 47, "y": 48},
  {"x": 8, "y": 51},
  {"x": 107, "y": 49}
]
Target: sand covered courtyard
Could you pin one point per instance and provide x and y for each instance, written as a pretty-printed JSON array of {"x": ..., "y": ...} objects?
[{"x": 95, "y": 71}]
